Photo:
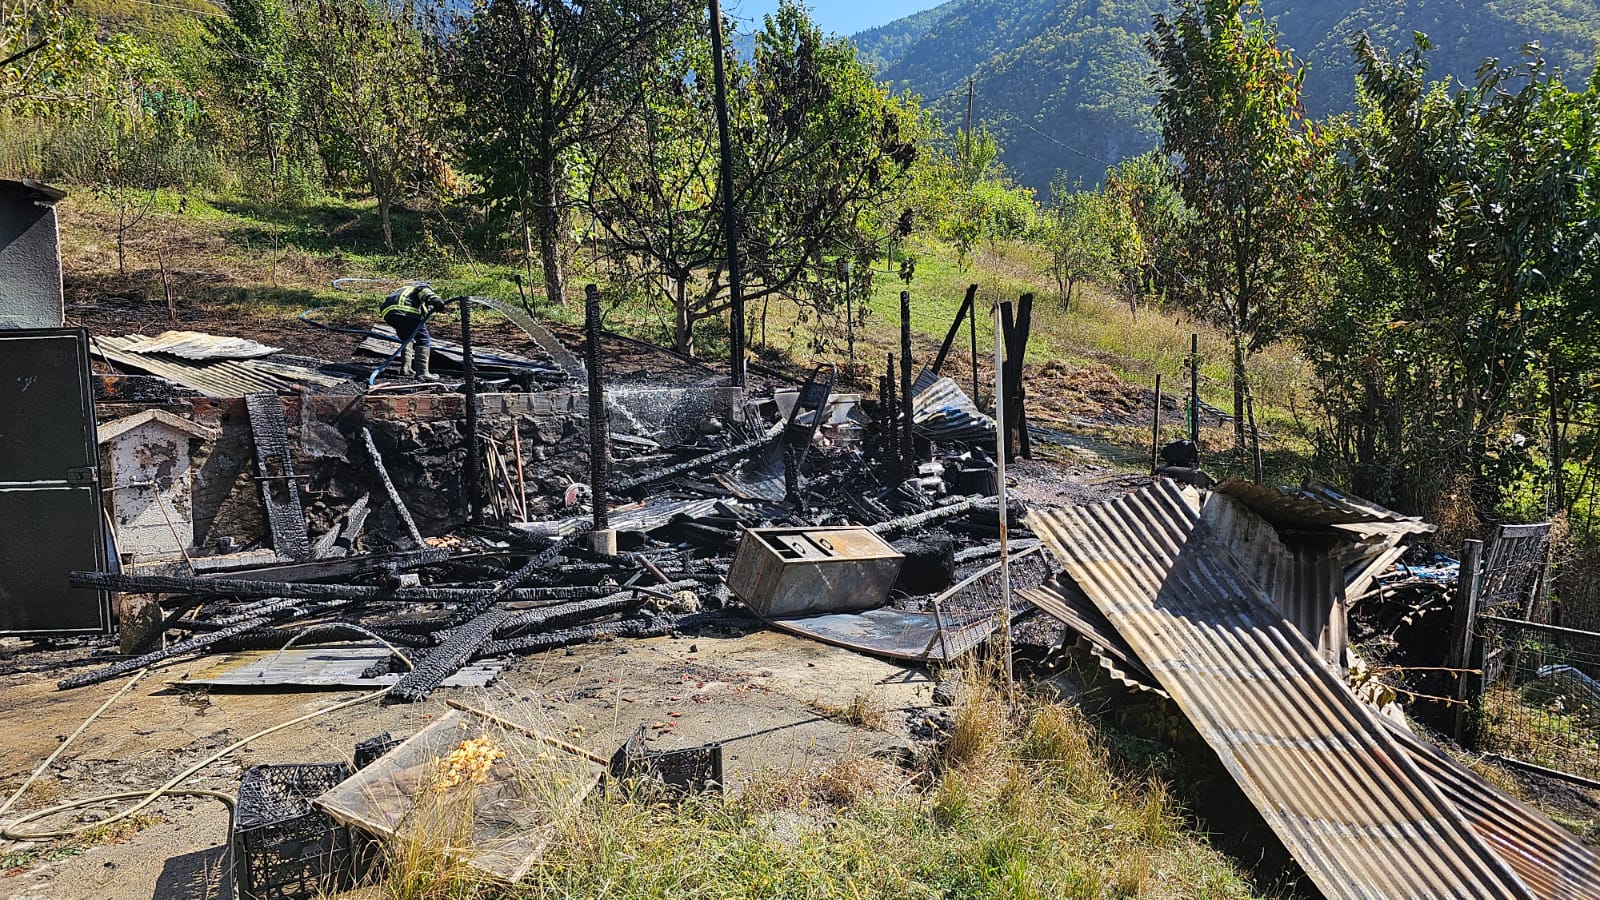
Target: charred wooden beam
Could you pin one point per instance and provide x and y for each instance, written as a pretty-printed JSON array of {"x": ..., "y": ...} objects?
[
  {"x": 276, "y": 612},
  {"x": 734, "y": 452},
  {"x": 448, "y": 658},
  {"x": 344, "y": 567},
  {"x": 280, "y": 491},
  {"x": 917, "y": 520},
  {"x": 389, "y": 489},
  {"x": 226, "y": 587},
  {"x": 653, "y": 626}
]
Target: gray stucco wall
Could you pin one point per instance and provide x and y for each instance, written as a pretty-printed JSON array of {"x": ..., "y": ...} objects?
[{"x": 30, "y": 260}]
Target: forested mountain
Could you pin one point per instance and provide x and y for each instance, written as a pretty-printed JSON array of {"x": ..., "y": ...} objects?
[{"x": 1063, "y": 83}]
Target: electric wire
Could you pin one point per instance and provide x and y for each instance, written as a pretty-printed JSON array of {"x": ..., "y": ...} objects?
[{"x": 170, "y": 788}]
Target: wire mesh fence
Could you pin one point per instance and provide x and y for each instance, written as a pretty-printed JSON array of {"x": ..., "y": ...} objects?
[{"x": 1541, "y": 694}]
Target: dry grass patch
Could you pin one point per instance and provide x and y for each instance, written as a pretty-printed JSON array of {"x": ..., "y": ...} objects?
[{"x": 1019, "y": 803}]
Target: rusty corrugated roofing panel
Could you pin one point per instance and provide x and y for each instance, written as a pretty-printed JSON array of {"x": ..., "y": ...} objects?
[
  {"x": 1064, "y": 601},
  {"x": 198, "y": 345},
  {"x": 1348, "y": 803},
  {"x": 1305, "y": 581},
  {"x": 1550, "y": 859},
  {"x": 942, "y": 411},
  {"x": 1319, "y": 506},
  {"x": 1553, "y": 862},
  {"x": 217, "y": 378}
]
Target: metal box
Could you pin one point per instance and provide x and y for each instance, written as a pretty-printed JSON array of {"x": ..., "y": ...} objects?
[{"x": 782, "y": 572}]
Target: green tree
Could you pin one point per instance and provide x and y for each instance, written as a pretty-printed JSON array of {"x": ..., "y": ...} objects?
[
  {"x": 1073, "y": 231},
  {"x": 536, "y": 79},
  {"x": 1467, "y": 241},
  {"x": 253, "y": 68},
  {"x": 1228, "y": 101},
  {"x": 370, "y": 97}
]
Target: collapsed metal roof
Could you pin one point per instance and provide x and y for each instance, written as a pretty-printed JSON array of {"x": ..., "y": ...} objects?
[
  {"x": 1549, "y": 859},
  {"x": 942, "y": 411},
  {"x": 1328, "y": 777},
  {"x": 197, "y": 345},
  {"x": 217, "y": 377}
]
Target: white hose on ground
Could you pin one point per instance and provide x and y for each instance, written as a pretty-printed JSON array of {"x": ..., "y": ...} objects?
[{"x": 169, "y": 789}]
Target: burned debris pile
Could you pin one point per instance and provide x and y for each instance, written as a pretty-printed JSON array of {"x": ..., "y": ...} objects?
[{"x": 540, "y": 502}]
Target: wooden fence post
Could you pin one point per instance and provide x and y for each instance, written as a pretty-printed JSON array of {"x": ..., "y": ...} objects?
[{"x": 1469, "y": 582}]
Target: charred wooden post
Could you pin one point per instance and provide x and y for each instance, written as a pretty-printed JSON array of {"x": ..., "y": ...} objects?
[
  {"x": 1015, "y": 336},
  {"x": 891, "y": 417},
  {"x": 280, "y": 487},
  {"x": 404, "y": 515},
  {"x": 470, "y": 388},
  {"x": 1469, "y": 584},
  {"x": 908, "y": 444},
  {"x": 955, "y": 329},
  {"x": 599, "y": 428},
  {"x": 1155, "y": 429},
  {"x": 972, "y": 330},
  {"x": 1194, "y": 389}
]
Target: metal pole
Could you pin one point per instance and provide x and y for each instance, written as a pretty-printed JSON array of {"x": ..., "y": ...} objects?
[
  {"x": 1155, "y": 428},
  {"x": 470, "y": 388},
  {"x": 908, "y": 442},
  {"x": 730, "y": 219},
  {"x": 1000, "y": 493},
  {"x": 850, "y": 318},
  {"x": 599, "y": 431}
]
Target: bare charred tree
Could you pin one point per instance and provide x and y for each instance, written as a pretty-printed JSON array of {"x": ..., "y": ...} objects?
[{"x": 534, "y": 79}]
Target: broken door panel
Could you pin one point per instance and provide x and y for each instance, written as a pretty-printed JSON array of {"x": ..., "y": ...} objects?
[{"x": 51, "y": 521}]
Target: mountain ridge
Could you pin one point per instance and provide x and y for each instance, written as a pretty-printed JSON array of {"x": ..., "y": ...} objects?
[{"x": 1064, "y": 84}]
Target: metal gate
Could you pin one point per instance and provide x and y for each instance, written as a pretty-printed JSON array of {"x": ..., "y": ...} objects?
[{"x": 51, "y": 521}]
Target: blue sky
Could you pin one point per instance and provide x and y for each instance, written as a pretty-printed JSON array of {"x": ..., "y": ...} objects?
[{"x": 843, "y": 16}]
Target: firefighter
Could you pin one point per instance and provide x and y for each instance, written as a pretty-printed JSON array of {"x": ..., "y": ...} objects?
[{"x": 406, "y": 311}]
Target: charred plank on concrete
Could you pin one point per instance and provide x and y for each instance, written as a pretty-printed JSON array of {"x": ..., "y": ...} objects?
[{"x": 280, "y": 490}]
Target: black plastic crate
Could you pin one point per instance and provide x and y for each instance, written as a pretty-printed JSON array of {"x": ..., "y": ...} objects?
[
  {"x": 372, "y": 748},
  {"x": 689, "y": 770},
  {"x": 283, "y": 847}
]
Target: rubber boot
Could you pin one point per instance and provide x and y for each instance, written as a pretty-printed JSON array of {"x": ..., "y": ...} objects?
[
  {"x": 425, "y": 370},
  {"x": 406, "y": 357}
]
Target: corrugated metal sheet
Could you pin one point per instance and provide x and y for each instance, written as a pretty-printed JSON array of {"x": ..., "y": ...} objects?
[
  {"x": 217, "y": 378},
  {"x": 1549, "y": 859},
  {"x": 633, "y": 517},
  {"x": 1319, "y": 506},
  {"x": 382, "y": 342},
  {"x": 197, "y": 345},
  {"x": 1347, "y": 802},
  {"x": 1305, "y": 581},
  {"x": 1064, "y": 601},
  {"x": 941, "y": 411}
]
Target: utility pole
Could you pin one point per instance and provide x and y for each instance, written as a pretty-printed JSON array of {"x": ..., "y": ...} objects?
[
  {"x": 967, "y": 151},
  {"x": 730, "y": 219}
]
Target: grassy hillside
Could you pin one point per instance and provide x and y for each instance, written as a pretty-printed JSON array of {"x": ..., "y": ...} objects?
[
  {"x": 244, "y": 265},
  {"x": 1064, "y": 83}
]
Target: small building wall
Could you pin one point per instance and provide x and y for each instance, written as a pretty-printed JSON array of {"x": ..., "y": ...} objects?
[
  {"x": 421, "y": 438},
  {"x": 148, "y": 477},
  {"x": 30, "y": 256}
]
